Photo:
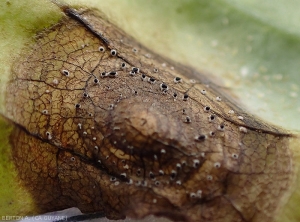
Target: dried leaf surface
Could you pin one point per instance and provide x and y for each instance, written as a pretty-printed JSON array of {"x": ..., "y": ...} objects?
[{"x": 106, "y": 125}]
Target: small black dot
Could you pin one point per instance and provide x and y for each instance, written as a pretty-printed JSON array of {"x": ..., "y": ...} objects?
[
  {"x": 177, "y": 78},
  {"x": 152, "y": 176},
  {"x": 188, "y": 119},
  {"x": 113, "y": 74},
  {"x": 175, "y": 95},
  {"x": 196, "y": 164},
  {"x": 123, "y": 176},
  {"x": 96, "y": 80},
  {"x": 123, "y": 65},
  {"x": 77, "y": 105},
  {"x": 207, "y": 108},
  {"x": 152, "y": 79},
  {"x": 85, "y": 95},
  {"x": 185, "y": 97},
  {"x": 164, "y": 86},
  {"x": 212, "y": 117},
  {"x": 135, "y": 70},
  {"x": 173, "y": 175},
  {"x": 143, "y": 76},
  {"x": 235, "y": 156},
  {"x": 113, "y": 52},
  {"x": 201, "y": 137},
  {"x": 66, "y": 72}
]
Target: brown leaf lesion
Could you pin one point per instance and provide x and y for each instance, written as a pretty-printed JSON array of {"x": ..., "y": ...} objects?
[{"x": 105, "y": 125}]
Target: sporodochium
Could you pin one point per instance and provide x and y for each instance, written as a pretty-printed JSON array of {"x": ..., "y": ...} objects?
[{"x": 105, "y": 125}]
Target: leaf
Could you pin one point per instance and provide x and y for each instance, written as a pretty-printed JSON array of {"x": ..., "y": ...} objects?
[
  {"x": 216, "y": 53},
  {"x": 253, "y": 55},
  {"x": 107, "y": 122},
  {"x": 19, "y": 20}
]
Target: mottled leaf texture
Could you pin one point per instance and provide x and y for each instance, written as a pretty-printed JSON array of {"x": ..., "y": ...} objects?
[{"x": 105, "y": 125}]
